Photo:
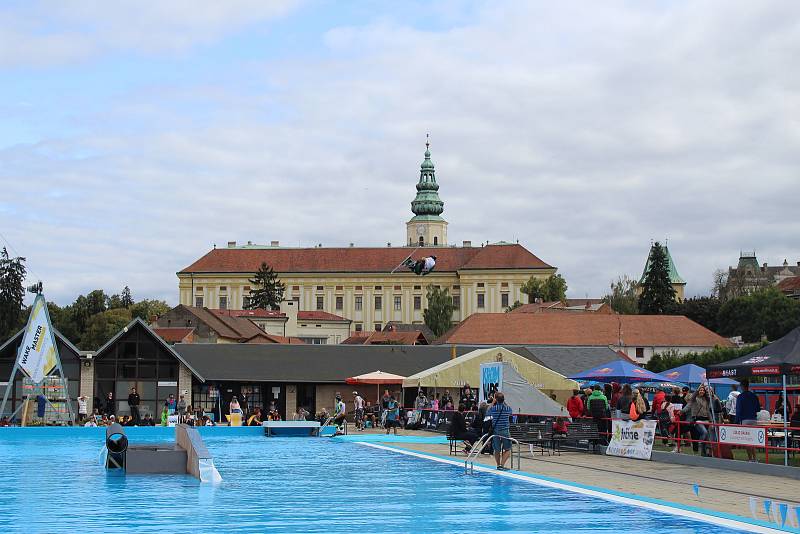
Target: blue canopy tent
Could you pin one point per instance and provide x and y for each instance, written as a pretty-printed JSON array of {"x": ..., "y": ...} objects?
[
  {"x": 621, "y": 371},
  {"x": 694, "y": 375}
]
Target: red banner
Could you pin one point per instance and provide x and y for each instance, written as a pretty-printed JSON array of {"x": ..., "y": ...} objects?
[{"x": 767, "y": 370}]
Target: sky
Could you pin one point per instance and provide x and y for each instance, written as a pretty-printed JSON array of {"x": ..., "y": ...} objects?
[{"x": 134, "y": 136}]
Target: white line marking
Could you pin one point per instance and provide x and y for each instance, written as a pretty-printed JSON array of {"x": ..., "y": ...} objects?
[{"x": 721, "y": 521}]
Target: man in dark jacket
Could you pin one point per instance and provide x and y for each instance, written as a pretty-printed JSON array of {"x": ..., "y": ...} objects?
[
  {"x": 597, "y": 404},
  {"x": 133, "y": 404},
  {"x": 459, "y": 430},
  {"x": 747, "y": 408}
]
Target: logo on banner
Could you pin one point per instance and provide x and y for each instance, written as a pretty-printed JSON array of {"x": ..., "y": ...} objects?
[
  {"x": 491, "y": 379},
  {"x": 37, "y": 353},
  {"x": 737, "y": 435},
  {"x": 632, "y": 439},
  {"x": 766, "y": 370}
]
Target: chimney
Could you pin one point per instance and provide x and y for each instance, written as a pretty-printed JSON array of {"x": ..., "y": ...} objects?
[
  {"x": 351, "y": 246},
  {"x": 389, "y": 244},
  {"x": 798, "y": 263},
  {"x": 274, "y": 243},
  {"x": 467, "y": 244},
  {"x": 289, "y": 309},
  {"x": 764, "y": 267},
  {"x": 231, "y": 244},
  {"x": 249, "y": 242}
]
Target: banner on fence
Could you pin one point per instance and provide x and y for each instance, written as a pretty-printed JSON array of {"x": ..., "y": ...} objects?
[
  {"x": 491, "y": 379},
  {"x": 632, "y": 439},
  {"x": 739, "y": 435}
]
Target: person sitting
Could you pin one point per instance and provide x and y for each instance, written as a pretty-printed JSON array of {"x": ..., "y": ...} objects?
[
  {"x": 89, "y": 422},
  {"x": 795, "y": 421},
  {"x": 300, "y": 414},
  {"x": 255, "y": 418},
  {"x": 323, "y": 416},
  {"x": 370, "y": 418},
  {"x": 459, "y": 431},
  {"x": 423, "y": 266},
  {"x": 148, "y": 420}
]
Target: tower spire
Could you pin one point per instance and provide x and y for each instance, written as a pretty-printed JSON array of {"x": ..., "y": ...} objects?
[{"x": 427, "y": 201}]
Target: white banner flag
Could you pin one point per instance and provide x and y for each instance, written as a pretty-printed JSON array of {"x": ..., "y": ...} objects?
[
  {"x": 632, "y": 439},
  {"x": 37, "y": 354}
]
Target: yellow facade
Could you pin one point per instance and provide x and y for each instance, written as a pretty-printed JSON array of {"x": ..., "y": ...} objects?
[{"x": 467, "y": 286}]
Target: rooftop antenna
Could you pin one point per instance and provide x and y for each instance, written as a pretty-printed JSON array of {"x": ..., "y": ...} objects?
[
  {"x": 36, "y": 288},
  {"x": 427, "y": 140}
]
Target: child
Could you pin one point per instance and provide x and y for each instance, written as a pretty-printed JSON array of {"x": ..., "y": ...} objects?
[{"x": 560, "y": 427}]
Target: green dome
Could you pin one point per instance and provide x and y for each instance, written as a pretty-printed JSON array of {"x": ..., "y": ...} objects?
[{"x": 427, "y": 201}]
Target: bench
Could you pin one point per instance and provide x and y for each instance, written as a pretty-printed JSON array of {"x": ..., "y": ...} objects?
[
  {"x": 583, "y": 430},
  {"x": 536, "y": 434}
]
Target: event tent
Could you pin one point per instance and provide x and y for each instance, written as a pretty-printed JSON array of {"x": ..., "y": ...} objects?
[
  {"x": 466, "y": 369},
  {"x": 694, "y": 374},
  {"x": 621, "y": 371},
  {"x": 378, "y": 378}
]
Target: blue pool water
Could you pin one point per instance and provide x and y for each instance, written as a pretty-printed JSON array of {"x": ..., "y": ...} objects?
[{"x": 55, "y": 483}]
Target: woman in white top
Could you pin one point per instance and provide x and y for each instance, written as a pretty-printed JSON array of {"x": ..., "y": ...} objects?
[{"x": 234, "y": 406}]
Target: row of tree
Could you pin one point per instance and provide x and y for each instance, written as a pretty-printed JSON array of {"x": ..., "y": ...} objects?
[{"x": 671, "y": 359}]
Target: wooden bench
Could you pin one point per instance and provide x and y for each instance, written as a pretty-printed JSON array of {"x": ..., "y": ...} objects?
[
  {"x": 583, "y": 430},
  {"x": 536, "y": 434}
]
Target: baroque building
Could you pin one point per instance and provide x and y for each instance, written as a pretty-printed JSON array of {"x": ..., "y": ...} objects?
[
  {"x": 749, "y": 276},
  {"x": 358, "y": 283}
]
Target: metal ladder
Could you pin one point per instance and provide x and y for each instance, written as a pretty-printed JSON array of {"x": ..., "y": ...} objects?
[{"x": 480, "y": 445}]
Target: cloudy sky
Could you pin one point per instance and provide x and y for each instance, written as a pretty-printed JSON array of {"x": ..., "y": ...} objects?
[{"x": 134, "y": 137}]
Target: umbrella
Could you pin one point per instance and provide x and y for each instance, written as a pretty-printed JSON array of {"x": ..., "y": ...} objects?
[
  {"x": 652, "y": 387},
  {"x": 779, "y": 358},
  {"x": 620, "y": 371},
  {"x": 377, "y": 378},
  {"x": 694, "y": 374}
]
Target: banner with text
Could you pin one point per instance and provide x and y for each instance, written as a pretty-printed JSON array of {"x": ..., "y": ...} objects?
[
  {"x": 491, "y": 379},
  {"x": 38, "y": 354},
  {"x": 742, "y": 435},
  {"x": 632, "y": 439}
]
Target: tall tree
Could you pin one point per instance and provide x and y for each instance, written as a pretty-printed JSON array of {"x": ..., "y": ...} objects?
[
  {"x": 658, "y": 295},
  {"x": 623, "y": 298},
  {"x": 702, "y": 310},
  {"x": 551, "y": 289},
  {"x": 145, "y": 309},
  {"x": 103, "y": 326},
  {"x": 126, "y": 298},
  {"x": 266, "y": 291},
  {"x": 439, "y": 313},
  {"x": 12, "y": 293},
  {"x": 765, "y": 312},
  {"x": 534, "y": 288}
]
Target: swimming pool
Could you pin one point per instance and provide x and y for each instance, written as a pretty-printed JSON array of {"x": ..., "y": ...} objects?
[{"x": 56, "y": 484}]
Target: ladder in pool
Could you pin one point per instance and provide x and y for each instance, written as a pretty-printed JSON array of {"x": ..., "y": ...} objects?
[{"x": 478, "y": 448}]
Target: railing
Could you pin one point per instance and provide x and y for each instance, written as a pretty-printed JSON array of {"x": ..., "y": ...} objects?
[{"x": 480, "y": 446}]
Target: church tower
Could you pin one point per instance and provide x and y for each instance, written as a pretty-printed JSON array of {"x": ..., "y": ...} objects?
[{"x": 427, "y": 228}]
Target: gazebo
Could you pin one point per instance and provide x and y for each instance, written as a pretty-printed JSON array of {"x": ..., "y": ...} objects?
[{"x": 378, "y": 378}]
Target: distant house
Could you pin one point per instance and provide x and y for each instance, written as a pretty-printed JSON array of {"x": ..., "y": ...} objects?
[
  {"x": 638, "y": 337},
  {"x": 790, "y": 287},
  {"x": 749, "y": 276},
  {"x": 174, "y": 335},
  {"x": 570, "y": 305},
  {"x": 389, "y": 336}
]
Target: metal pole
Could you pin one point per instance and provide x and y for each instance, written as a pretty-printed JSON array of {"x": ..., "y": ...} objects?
[
  {"x": 785, "y": 430},
  {"x": 10, "y": 384}
]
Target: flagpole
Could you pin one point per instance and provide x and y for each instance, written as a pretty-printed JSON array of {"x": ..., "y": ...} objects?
[{"x": 785, "y": 430}]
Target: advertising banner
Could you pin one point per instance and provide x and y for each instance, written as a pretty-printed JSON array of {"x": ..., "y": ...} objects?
[
  {"x": 491, "y": 379},
  {"x": 37, "y": 353},
  {"x": 737, "y": 435},
  {"x": 632, "y": 439}
]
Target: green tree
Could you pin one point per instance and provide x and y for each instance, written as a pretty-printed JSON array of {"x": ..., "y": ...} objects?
[
  {"x": 103, "y": 326},
  {"x": 12, "y": 293},
  {"x": 114, "y": 301},
  {"x": 623, "y": 298},
  {"x": 96, "y": 302},
  {"x": 658, "y": 295},
  {"x": 702, "y": 310},
  {"x": 126, "y": 298},
  {"x": 551, "y": 289},
  {"x": 765, "y": 312},
  {"x": 145, "y": 309},
  {"x": 514, "y": 306},
  {"x": 266, "y": 292},
  {"x": 671, "y": 358},
  {"x": 439, "y": 313}
]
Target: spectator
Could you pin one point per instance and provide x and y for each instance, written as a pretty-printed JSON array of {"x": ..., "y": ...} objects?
[
  {"x": 435, "y": 411},
  {"x": 795, "y": 421},
  {"x": 663, "y": 415},
  {"x": 82, "y": 408},
  {"x": 658, "y": 399},
  {"x": 598, "y": 409},
  {"x": 133, "y": 406},
  {"x": 468, "y": 398},
  {"x": 685, "y": 393},
  {"x": 233, "y": 406},
  {"x": 207, "y": 421},
  {"x": 575, "y": 405},
  {"x": 747, "y": 408},
  {"x": 300, "y": 414},
  {"x": 110, "y": 408},
  {"x": 676, "y": 397},
  {"x": 500, "y": 412},
  {"x": 730, "y": 403},
  {"x": 171, "y": 404},
  {"x": 779, "y": 408},
  {"x": 148, "y": 420},
  {"x": 478, "y": 424},
  {"x": 189, "y": 417},
  {"x": 181, "y": 406},
  {"x": 421, "y": 401},
  {"x": 608, "y": 391},
  {"x": 624, "y": 402},
  {"x": 323, "y": 416},
  {"x": 165, "y": 415},
  {"x": 339, "y": 411},
  {"x": 89, "y": 422},
  {"x": 392, "y": 415},
  {"x": 459, "y": 430},
  {"x": 358, "y": 405},
  {"x": 637, "y": 408},
  {"x": 698, "y": 410},
  {"x": 560, "y": 427},
  {"x": 616, "y": 393},
  {"x": 447, "y": 400},
  {"x": 255, "y": 419}
]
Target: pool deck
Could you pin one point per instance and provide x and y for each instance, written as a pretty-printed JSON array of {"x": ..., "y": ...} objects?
[{"x": 719, "y": 490}]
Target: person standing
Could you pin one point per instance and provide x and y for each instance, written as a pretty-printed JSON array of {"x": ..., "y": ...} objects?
[
  {"x": 133, "y": 405},
  {"x": 730, "y": 403},
  {"x": 747, "y": 408},
  {"x": 339, "y": 411},
  {"x": 171, "y": 404},
  {"x": 110, "y": 409},
  {"x": 575, "y": 405},
  {"x": 597, "y": 407},
  {"x": 83, "y": 408},
  {"x": 500, "y": 412},
  {"x": 358, "y": 406}
]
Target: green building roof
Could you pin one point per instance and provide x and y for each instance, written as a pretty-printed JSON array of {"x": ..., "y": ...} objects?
[
  {"x": 427, "y": 205},
  {"x": 674, "y": 277}
]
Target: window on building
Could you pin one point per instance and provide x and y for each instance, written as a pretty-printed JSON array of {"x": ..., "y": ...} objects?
[
  {"x": 398, "y": 303},
  {"x": 421, "y": 241},
  {"x": 378, "y": 288},
  {"x": 359, "y": 302},
  {"x": 223, "y": 303},
  {"x": 314, "y": 340},
  {"x": 457, "y": 302},
  {"x": 359, "y": 327},
  {"x": 504, "y": 300},
  {"x": 198, "y": 302},
  {"x": 295, "y": 288},
  {"x": 378, "y": 302},
  {"x": 320, "y": 288},
  {"x": 417, "y": 302},
  {"x": 320, "y": 303},
  {"x": 199, "y": 288},
  {"x": 397, "y": 288},
  {"x": 481, "y": 300},
  {"x": 377, "y": 327},
  {"x": 417, "y": 288},
  {"x": 504, "y": 284},
  {"x": 359, "y": 288},
  {"x": 223, "y": 288},
  {"x": 480, "y": 284},
  {"x": 339, "y": 288},
  {"x": 339, "y": 303},
  {"x": 246, "y": 302},
  {"x": 640, "y": 352},
  {"x": 456, "y": 287},
  {"x": 435, "y": 240}
]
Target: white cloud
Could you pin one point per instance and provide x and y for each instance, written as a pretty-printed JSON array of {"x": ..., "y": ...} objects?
[{"x": 582, "y": 131}]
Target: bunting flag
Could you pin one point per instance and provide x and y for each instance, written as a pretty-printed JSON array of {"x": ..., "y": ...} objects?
[
  {"x": 37, "y": 353},
  {"x": 754, "y": 507},
  {"x": 783, "y": 509},
  {"x": 767, "y": 506},
  {"x": 696, "y": 489}
]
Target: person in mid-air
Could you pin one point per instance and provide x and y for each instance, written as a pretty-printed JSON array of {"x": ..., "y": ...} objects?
[{"x": 421, "y": 267}]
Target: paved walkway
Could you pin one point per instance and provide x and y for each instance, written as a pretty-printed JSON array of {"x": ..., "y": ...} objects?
[{"x": 720, "y": 490}]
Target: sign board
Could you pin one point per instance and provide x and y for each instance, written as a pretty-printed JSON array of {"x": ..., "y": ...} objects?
[
  {"x": 742, "y": 435},
  {"x": 173, "y": 420},
  {"x": 167, "y": 384},
  {"x": 632, "y": 439},
  {"x": 491, "y": 379},
  {"x": 37, "y": 352}
]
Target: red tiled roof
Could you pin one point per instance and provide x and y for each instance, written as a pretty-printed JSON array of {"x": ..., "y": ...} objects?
[
  {"x": 386, "y": 337},
  {"x": 353, "y": 259},
  {"x": 171, "y": 334},
  {"x": 357, "y": 338},
  {"x": 789, "y": 284},
  {"x": 581, "y": 329},
  {"x": 311, "y": 315}
]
